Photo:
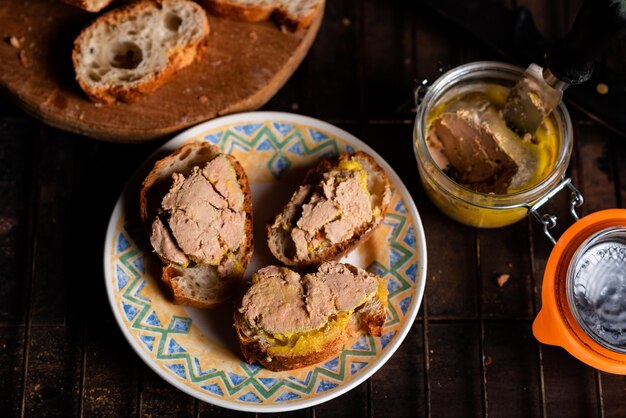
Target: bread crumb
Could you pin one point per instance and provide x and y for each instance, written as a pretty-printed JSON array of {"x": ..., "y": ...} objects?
[
  {"x": 602, "y": 88},
  {"x": 98, "y": 104},
  {"x": 253, "y": 36},
  {"x": 23, "y": 58},
  {"x": 203, "y": 99},
  {"x": 488, "y": 360},
  {"x": 15, "y": 43},
  {"x": 37, "y": 387},
  {"x": 346, "y": 22},
  {"x": 502, "y": 279},
  {"x": 295, "y": 106}
]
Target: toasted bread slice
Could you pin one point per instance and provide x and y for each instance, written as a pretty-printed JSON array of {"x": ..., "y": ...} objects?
[
  {"x": 338, "y": 205},
  {"x": 287, "y": 321},
  {"x": 134, "y": 49},
  {"x": 89, "y": 5},
  {"x": 197, "y": 208},
  {"x": 292, "y": 14}
]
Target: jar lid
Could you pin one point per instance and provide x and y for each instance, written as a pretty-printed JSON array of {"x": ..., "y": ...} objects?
[
  {"x": 584, "y": 292},
  {"x": 596, "y": 287}
]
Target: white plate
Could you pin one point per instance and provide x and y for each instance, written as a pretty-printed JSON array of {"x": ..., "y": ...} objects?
[{"x": 196, "y": 350}]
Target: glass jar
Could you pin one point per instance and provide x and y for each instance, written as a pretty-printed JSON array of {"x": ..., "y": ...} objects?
[
  {"x": 485, "y": 210},
  {"x": 583, "y": 292}
]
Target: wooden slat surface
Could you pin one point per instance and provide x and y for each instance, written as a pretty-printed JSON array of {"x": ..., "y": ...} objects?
[
  {"x": 470, "y": 352},
  {"x": 15, "y": 188}
]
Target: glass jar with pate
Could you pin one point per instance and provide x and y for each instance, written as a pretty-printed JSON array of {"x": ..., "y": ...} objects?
[
  {"x": 500, "y": 191},
  {"x": 486, "y": 176}
]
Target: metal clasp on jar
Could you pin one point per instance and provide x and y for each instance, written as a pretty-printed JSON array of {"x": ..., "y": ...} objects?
[
  {"x": 420, "y": 90},
  {"x": 548, "y": 220}
]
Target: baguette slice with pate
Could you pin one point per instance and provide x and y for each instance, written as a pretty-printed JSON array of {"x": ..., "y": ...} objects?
[
  {"x": 287, "y": 321},
  {"x": 292, "y": 14},
  {"x": 134, "y": 49},
  {"x": 338, "y": 205},
  {"x": 89, "y": 5},
  {"x": 196, "y": 206}
]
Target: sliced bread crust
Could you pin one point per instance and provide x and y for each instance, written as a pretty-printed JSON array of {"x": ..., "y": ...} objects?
[
  {"x": 197, "y": 285},
  {"x": 368, "y": 318},
  {"x": 134, "y": 49},
  {"x": 292, "y": 14},
  {"x": 89, "y": 5},
  {"x": 278, "y": 231}
]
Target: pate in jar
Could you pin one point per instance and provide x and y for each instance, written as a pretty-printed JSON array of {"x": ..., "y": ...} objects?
[
  {"x": 472, "y": 166},
  {"x": 481, "y": 173}
]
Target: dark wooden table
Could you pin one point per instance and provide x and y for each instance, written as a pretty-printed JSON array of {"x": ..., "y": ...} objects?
[{"x": 470, "y": 352}]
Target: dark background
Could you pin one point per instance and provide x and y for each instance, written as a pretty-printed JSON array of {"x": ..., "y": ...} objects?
[{"x": 470, "y": 352}]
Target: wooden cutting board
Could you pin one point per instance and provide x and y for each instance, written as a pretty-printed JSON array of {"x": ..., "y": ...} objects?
[{"x": 244, "y": 66}]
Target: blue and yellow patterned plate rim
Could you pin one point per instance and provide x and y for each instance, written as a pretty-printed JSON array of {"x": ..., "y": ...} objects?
[{"x": 196, "y": 350}]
